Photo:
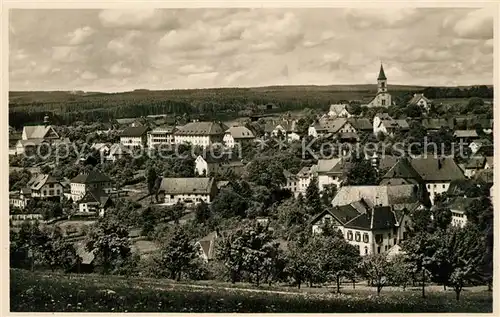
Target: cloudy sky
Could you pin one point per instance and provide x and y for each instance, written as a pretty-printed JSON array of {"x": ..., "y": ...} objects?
[{"x": 112, "y": 50}]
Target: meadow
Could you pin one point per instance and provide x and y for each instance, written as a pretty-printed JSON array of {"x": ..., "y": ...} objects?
[{"x": 55, "y": 292}]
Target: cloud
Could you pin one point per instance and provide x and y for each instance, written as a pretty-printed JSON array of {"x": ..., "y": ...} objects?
[
  {"x": 70, "y": 54},
  {"x": 143, "y": 19},
  {"x": 126, "y": 44},
  {"x": 477, "y": 24},
  {"x": 382, "y": 18},
  {"x": 88, "y": 75},
  {"x": 80, "y": 35},
  {"x": 194, "y": 69},
  {"x": 119, "y": 70}
]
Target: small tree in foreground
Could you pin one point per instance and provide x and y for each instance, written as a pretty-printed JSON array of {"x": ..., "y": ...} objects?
[{"x": 376, "y": 268}]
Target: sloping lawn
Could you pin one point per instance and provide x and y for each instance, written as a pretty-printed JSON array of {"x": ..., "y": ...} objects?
[{"x": 47, "y": 292}]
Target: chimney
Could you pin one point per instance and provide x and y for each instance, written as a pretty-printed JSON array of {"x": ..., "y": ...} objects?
[{"x": 46, "y": 120}]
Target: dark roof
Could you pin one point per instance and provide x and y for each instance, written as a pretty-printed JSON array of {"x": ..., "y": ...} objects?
[
  {"x": 383, "y": 218},
  {"x": 91, "y": 177},
  {"x": 436, "y": 124},
  {"x": 360, "y": 123},
  {"x": 402, "y": 170},
  {"x": 134, "y": 131},
  {"x": 475, "y": 162},
  {"x": 485, "y": 176},
  {"x": 437, "y": 169},
  {"x": 416, "y": 98},
  {"x": 381, "y": 74},
  {"x": 345, "y": 213},
  {"x": 98, "y": 196},
  {"x": 362, "y": 222}
]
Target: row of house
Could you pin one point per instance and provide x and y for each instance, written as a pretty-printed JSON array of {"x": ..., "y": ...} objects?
[
  {"x": 433, "y": 174},
  {"x": 202, "y": 134}
]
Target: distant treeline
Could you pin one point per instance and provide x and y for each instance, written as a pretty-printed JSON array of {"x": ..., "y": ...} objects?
[
  {"x": 222, "y": 104},
  {"x": 457, "y": 92}
]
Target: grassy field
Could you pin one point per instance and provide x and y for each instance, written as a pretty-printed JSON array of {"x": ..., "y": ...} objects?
[{"x": 52, "y": 292}]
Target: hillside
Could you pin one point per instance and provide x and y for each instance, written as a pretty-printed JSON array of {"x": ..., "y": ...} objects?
[{"x": 54, "y": 292}]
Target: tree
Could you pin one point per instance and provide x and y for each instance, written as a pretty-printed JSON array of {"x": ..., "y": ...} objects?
[
  {"x": 362, "y": 173},
  {"x": 28, "y": 246},
  {"x": 400, "y": 271},
  {"x": 58, "y": 252},
  {"x": 298, "y": 263},
  {"x": 475, "y": 102},
  {"x": 313, "y": 199},
  {"x": 148, "y": 222},
  {"x": 376, "y": 268},
  {"x": 110, "y": 244},
  {"x": 202, "y": 212},
  {"x": 177, "y": 253},
  {"x": 228, "y": 204},
  {"x": 329, "y": 192},
  {"x": 151, "y": 176}
]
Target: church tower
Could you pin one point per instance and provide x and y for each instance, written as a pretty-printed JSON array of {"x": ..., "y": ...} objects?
[{"x": 382, "y": 80}]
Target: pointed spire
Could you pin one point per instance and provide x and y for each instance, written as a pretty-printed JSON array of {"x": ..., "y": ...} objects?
[{"x": 381, "y": 74}]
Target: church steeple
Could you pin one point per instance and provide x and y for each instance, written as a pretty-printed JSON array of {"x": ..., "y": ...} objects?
[
  {"x": 381, "y": 74},
  {"x": 382, "y": 80}
]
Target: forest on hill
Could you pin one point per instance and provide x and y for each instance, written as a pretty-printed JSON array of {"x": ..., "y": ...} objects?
[{"x": 65, "y": 107}]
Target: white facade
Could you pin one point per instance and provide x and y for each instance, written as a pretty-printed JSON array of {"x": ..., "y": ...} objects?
[
  {"x": 292, "y": 137},
  {"x": 132, "y": 142},
  {"x": 367, "y": 241},
  {"x": 189, "y": 199},
  {"x": 436, "y": 188},
  {"x": 228, "y": 140},
  {"x": 78, "y": 190},
  {"x": 458, "y": 218},
  {"x": 201, "y": 166},
  {"x": 195, "y": 140},
  {"x": 159, "y": 137},
  {"x": 328, "y": 179},
  {"x": 48, "y": 190}
]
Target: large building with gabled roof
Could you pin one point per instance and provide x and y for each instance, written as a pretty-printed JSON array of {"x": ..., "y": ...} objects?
[
  {"x": 201, "y": 133},
  {"x": 92, "y": 180}
]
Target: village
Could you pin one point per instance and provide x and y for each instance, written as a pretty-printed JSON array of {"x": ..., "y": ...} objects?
[{"x": 233, "y": 177}]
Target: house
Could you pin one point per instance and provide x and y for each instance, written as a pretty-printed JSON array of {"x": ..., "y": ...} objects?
[
  {"x": 33, "y": 136},
  {"x": 202, "y": 134},
  {"x": 237, "y": 135},
  {"x": 434, "y": 125},
  {"x": 85, "y": 182},
  {"x": 95, "y": 202},
  {"x": 372, "y": 229},
  {"x": 361, "y": 125},
  {"x": 161, "y": 136},
  {"x": 43, "y": 186},
  {"x": 383, "y": 123},
  {"x": 465, "y": 136},
  {"x": 118, "y": 151},
  {"x": 458, "y": 207},
  {"x": 19, "y": 199},
  {"x": 437, "y": 173},
  {"x": 402, "y": 173},
  {"x": 190, "y": 191},
  {"x": 287, "y": 129},
  {"x": 206, "y": 246},
  {"x": 477, "y": 144},
  {"x": 134, "y": 137},
  {"x": 291, "y": 182},
  {"x": 399, "y": 197},
  {"x": 473, "y": 165},
  {"x": 339, "y": 111},
  {"x": 218, "y": 164},
  {"x": 331, "y": 126},
  {"x": 421, "y": 101},
  {"x": 382, "y": 98},
  {"x": 330, "y": 172}
]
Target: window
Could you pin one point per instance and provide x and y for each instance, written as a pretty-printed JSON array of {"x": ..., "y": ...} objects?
[
  {"x": 52, "y": 185},
  {"x": 443, "y": 186},
  {"x": 366, "y": 239},
  {"x": 378, "y": 249},
  {"x": 383, "y": 102},
  {"x": 349, "y": 235},
  {"x": 385, "y": 248},
  {"x": 382, "y": 84},
  {"x": 366, "y": 250},
  {"x": 395, "y": 242},
  {"x": 379, "y": 238},
  {"x": 358, "y": 236},
  {"x": 405, "y": 235},
  {"x": 389, "y": 235},
  {"x": 51, "y": 192}
]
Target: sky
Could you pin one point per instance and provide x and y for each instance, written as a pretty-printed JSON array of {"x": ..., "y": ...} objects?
[{"x": 122, "y": 50}]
